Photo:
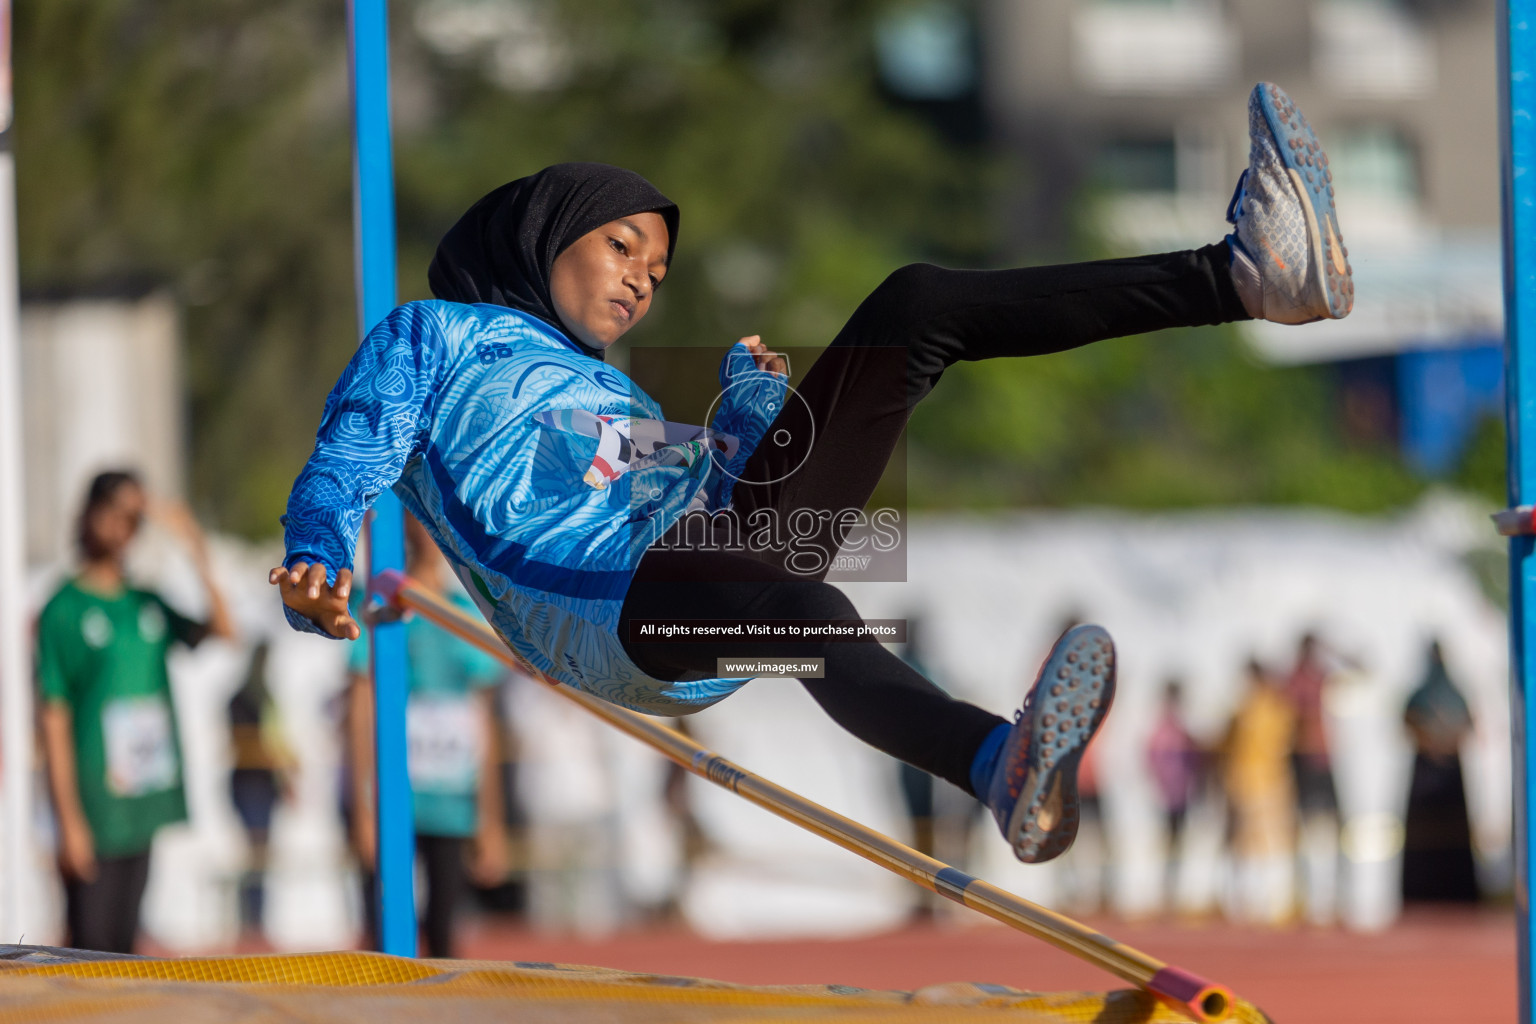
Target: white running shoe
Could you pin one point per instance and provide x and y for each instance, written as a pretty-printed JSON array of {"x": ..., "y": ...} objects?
[{"x": 1288, "y": 262}]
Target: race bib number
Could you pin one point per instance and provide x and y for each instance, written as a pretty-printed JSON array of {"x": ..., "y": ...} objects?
[
  {"x": 141, "y": 752},
  {"x": 443, "y": 744}
]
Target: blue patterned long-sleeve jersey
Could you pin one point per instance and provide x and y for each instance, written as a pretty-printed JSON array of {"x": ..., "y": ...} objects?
[{"x": 542, "y": 473}]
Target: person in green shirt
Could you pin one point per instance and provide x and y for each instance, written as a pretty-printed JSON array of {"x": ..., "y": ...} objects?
[
  {"x": 452, "y": 756},
  {"x": 108, "y": 725}
]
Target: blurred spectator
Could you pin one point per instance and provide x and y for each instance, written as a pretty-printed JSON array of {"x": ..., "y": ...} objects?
[
  {"x": 1311, "y": 764},
  {"x": 1262, "y": 798},
  {"x": 109, "y": 726},
  {"x": 1437, "y": 848},
  {"x": 693, "y": 841},
  {"x": 573, "y": 784},
  {"x": 508, "y": 896},
  {"x": 1175, "y": 761},
  {"x": 1312, "y": 767},
  {"x": 1087, "y": 863},
  {"x": 916, "y": 784},
  {"x": 262, "y": 768},
  {"x": 941, "y": 815},
  {"x": 648, "y": 840},
  {"x": 453, "y": 757}
]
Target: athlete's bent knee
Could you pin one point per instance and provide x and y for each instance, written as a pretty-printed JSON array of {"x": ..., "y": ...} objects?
[
  {"x": 903, "y": 297},
  {"x": 809, "y": 599}
]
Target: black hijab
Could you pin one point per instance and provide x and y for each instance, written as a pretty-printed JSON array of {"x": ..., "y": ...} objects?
[{"x": 503, "y": 249}]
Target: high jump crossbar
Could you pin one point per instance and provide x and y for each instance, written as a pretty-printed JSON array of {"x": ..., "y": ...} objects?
[{"x": 1203, "y": 1000}]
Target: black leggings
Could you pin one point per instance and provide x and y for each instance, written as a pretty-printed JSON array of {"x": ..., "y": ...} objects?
[
  {"x": 826, "y": 454},
  {"x": 442, "y": 858},
  {"x": 104, "y": 914}
]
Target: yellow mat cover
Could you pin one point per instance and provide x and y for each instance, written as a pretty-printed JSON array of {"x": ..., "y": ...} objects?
[{"x": 44, "y": 984}]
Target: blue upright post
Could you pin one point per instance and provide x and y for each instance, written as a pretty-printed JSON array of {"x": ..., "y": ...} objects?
[
  {"x": 1517, "y": 110},
  {"x": 373, "y": 216}
]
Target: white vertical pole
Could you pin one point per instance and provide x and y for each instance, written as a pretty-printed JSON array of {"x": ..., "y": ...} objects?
[{"x": 16, "y": 729}]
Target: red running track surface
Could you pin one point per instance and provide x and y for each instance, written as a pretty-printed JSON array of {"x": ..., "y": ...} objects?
[{"x": 1431, "y": 967}]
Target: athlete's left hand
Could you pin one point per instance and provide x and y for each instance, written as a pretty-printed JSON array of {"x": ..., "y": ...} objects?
[{"x": 765, "y": 357}]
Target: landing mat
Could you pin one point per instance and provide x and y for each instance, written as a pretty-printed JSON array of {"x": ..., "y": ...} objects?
[{"x": 47, "y": 984}]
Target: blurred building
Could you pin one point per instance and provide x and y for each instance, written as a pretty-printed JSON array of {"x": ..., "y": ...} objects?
[
  {"x": 102, "y": 380},
  {"x": 1127, "y": 116}
]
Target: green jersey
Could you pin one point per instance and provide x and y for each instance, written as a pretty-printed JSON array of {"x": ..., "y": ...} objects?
[{"x": 104, "y": 657}]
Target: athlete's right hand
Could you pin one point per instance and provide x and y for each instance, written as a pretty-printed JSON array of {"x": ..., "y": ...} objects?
[
  {"x": 304, "y": 590},
  {"x": 77, "y": 851}
]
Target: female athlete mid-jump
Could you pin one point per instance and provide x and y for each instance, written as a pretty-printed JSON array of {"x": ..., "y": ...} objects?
[{"x": 563, "y": 498}]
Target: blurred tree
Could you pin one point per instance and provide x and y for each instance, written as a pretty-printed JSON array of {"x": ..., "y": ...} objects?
[
  {"x": 1482, "y": 467},
  {"x": 800, "y": 186},
  {"x": 206, "y": 147},
  {"x": 1177, "y": 419}
]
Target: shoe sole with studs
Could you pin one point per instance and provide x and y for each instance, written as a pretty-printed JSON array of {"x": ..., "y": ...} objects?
[
  {"x": 1312, "y": 178},
  {"x": 1071, "y": 698}
]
